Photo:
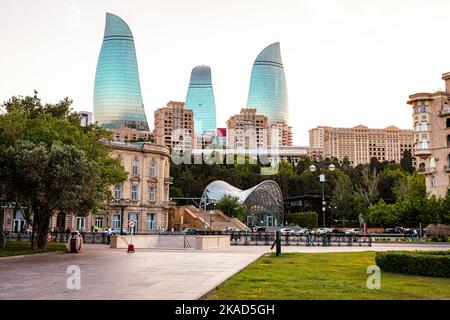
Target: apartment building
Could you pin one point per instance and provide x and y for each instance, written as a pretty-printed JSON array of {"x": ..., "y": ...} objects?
[
  {"x": 360, "y": 143},
  {"x": 431, "y": 120},
  {"x": 174, "y": 126}
]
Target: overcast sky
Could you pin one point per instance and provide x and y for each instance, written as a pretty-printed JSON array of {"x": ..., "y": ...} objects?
[{"x": 347, "y": 62}]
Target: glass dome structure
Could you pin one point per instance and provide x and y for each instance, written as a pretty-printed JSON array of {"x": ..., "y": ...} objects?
[{"x": 264, "y": 202}]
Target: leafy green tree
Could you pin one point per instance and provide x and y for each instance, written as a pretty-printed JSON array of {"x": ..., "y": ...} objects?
[
  {"x": 382, "y": 214},
  {"x": 369, "y": 187},
  {"x": 407, "y": 162},
  {"x": 232, "y": 207},
  {"x": 44, "y": 150},
  {"x": 342, "y": 205}
]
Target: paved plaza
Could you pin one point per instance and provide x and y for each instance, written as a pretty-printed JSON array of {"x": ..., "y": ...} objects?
[{"x": 146, "y": 274}]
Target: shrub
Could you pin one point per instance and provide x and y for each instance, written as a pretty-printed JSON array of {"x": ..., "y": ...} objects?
[
  {"x": 424, "y": 263},
  {"x": 304, "y": 219}
]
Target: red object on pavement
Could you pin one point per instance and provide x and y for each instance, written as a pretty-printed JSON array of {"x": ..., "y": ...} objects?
[{"x": 130, "y": 248}]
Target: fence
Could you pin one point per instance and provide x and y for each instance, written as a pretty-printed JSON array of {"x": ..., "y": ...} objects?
[{"x": 88, "y": 237}]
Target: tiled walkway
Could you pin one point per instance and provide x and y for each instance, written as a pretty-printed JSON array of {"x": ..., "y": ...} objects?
[{"x": 147, "y": 274}]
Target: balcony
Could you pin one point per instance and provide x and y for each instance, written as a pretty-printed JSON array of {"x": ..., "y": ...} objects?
[
  {"x": 424, "y": 170},
  {"x": 168, "y": 180},
  {"x": 444, "y": 112},
  {"x": 422, "y": 153}
]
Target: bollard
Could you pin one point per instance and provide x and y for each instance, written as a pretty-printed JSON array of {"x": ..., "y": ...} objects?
[{"x": 278, "y": 243}]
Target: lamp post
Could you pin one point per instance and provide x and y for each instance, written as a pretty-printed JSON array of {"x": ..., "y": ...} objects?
[
  {"x": 122, "y": 204},
  {"x": 322, "y": 180}
]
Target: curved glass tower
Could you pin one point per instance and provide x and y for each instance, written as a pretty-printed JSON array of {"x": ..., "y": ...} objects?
[
  {"x": 200, "y": 99},
  {"x": 117, "y": 90},
  {"x": 268, "y": 90}
]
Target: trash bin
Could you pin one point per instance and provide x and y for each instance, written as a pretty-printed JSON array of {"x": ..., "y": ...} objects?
[{"x": 75, "y": 242}]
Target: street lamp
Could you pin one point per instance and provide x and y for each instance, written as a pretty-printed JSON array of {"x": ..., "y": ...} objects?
[{"x": 322, "y": 180}]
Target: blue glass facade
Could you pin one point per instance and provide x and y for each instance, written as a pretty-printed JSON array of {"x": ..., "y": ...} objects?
[
  {"x": 268, "y": 90},
  {"x": 200, "y": 99},
  {"x": 117, "y": 90}
]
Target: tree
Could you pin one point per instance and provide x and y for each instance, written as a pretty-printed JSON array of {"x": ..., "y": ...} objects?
[
  {"x": 232, "y": 207},
  {"x": 382, "y": 214},
  {"x": 49, "y": 163},
  {"x": 342, "y": 204},
  {"x": 407, "y": 162},
  {"x": 369, "y": 187}
]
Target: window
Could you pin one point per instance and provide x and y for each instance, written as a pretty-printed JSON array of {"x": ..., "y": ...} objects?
[
  {"x": 98, "y": 222},
  {"x": 151, "y": 221},
  {"x": 447, "y": 123},
  {"x": 134, "y": 192},
  {"x": 423, "y": 145},
  {"x": 116, "y": 221},
  {"x": 153, "y": 168},
  {"x": 152, "y": 194},
  {"x": 134, "y": 168},
  {"x": 117, "y": 192},
  {"x": 448, "y": 141},
  {"x": 422, "y": 126},
  {"x": 80, "y": 223},
  {"x": 433, "y": 181}
]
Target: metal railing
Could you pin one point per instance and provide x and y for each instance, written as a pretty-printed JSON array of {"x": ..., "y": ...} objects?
[
  {"x": 88, "y": 237},
  {"x": 267, "y": 239}
]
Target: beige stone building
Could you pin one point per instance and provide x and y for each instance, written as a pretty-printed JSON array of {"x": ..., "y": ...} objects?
[
  {"x": 174, "y": 126},
  {"x": 316, "y": 137},
  {"x": 359, "y": 144},
  {"x": 128, "y": 134},
  {"x": 143, "y": 197},
  {"x": 247, "y": 130},
  {"x": 280, "y": 135},
  {"x": 431, "y": 119}
]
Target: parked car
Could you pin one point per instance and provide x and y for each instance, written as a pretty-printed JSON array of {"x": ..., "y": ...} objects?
[
  {"x": 190, "y": 231},
  {"x": 230, "y": 229},
  {"x": 353, "y": 231},
  {"x": 287, "y": 231},
  {"x": 410, "y": 232},
  {"x": 303, "y": 232},
  {"x": 323, "y": 231}
]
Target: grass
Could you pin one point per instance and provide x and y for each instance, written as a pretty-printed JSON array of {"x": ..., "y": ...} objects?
[
  {"x": 303, "y": 276},
  {"x": 14, "y": 248}
]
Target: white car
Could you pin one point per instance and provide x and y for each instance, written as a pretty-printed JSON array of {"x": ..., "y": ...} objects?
[
  {"x": 287, "y": 231},
  {"x": 353, "y": 231},
  {"x": 323, "y": 230},
  {"x": 303, "y": 231},
  {"x": 231, "y": 229}
]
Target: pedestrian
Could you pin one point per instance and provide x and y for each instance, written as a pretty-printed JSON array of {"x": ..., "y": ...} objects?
[{"x": 109, "y": 235}]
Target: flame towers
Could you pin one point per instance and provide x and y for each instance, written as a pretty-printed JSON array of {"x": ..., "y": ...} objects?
[
  {"x": 268, "y": 90},
  {"x": 117, "y": 90},
  {"x": 200, "y": 99}
]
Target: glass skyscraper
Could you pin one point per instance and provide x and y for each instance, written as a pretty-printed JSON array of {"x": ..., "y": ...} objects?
[
  {"x": 268, "y": 90},
  {"x": 117, "y": 90},
  {"x": 200, "y": 99}
]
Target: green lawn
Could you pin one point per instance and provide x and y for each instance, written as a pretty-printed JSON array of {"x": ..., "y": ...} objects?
[
  {"x": 14, "y": 248},
  {"x": 324, "y": 276}
]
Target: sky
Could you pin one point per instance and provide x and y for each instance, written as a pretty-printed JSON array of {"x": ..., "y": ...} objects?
[{"x": 347, "y": 62}]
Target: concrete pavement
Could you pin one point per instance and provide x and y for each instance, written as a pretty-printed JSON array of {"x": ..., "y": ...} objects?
[{"x": 147, "y": 274}]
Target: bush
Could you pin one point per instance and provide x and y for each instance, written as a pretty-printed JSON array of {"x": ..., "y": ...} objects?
[
  {"x": 424, "y": 263},
  {"x": 304, "y": 219}
]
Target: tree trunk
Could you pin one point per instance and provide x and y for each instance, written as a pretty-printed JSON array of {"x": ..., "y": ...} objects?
[{"x": 42, "y": 228}]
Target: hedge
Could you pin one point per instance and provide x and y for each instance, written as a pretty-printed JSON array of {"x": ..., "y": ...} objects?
[
  {"x": 423, "y": 263},
  {"x": 304, "y": 219}
]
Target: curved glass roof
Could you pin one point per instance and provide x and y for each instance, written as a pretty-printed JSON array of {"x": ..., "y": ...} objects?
[{"x": 264, "y": 199}]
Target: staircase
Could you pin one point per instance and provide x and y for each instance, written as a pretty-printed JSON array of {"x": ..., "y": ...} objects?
[{"x": 199, "y": 218}]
